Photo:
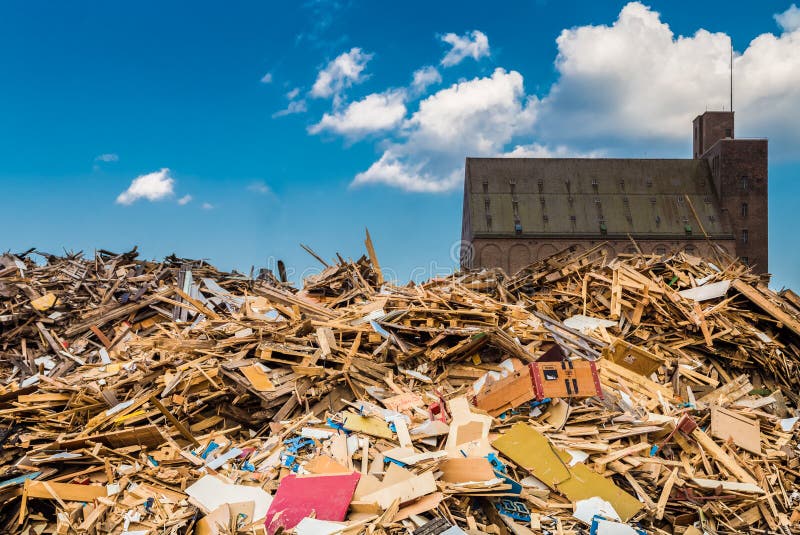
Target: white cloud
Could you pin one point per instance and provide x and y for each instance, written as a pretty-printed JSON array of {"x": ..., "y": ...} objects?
[
  {"x": 472, "y": 44},
  {"x": 296, "y": 106},
  {"x": 636, "y": 82},
  {"x": 152, "y": 186},
  {"x": 478, "y": 117},
  {"x": 207, "y": 206},
  {"x": 186, "y": 199},
  {"x": 109, "y": 157},
  {"x": 344, "y": 71},
  {"x": 259, "y": 187},
  {"x": 291, "y": 95},
  {"x": 789, "y": 20},
  {"x": 404, "y": 173},
  {"x": 267, "y": 78},
  {"x": 375, "y": 112},
  {"x": 473, "y": 117},
  {"x": 538, "y": 150},
  {"x": 425, "y": 77}
]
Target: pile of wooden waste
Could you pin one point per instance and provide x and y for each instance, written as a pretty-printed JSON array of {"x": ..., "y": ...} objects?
[{"x": 583, "y": 394}]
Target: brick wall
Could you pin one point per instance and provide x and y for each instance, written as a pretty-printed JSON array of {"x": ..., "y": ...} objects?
[
  {"x": 513, "y": 254},
  {"x": 740, "y": 173}
]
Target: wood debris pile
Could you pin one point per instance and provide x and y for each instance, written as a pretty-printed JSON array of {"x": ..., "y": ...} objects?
[{"x": 583, "y": 394}]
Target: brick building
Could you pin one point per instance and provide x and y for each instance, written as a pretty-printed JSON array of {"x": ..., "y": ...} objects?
[{"x": 518, "y": 210}]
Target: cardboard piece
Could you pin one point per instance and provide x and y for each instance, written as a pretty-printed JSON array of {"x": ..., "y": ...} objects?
[
  {"x": 466, "y": 469},
  {"x": 327, "y": 497},
  {"x": 405, "y": 486},
  {"x": 210, "y": 492},
  {"x": 745, "y": 432},
  {"x": 469, "y": 431},
  {"x": 424, "y": 504},
  {"x": 220, "y": 519},
  {"x": 324, "y": 464}
]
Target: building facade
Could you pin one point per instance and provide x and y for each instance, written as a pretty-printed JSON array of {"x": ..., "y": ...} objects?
[{"x": 519, "y": 210}]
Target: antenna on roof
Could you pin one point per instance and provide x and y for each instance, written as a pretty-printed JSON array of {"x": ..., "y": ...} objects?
[{"x": 731, "y": 74}]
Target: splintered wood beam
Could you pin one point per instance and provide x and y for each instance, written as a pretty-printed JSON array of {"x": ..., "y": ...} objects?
[
  {"x": 373, "y": 258},
  {"x": 761, "y": 301},
  {"x": 179, "y": 426}
]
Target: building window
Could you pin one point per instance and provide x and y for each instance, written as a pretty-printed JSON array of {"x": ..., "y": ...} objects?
[
  {"x": 745, "y": 182},
  {"x": 515, "y": 206},
  {"x": 540, "y": 185},
  {"x": 728, "y": 132},
  {"x": 746, "y": 260},
  {"x": 486, "y": 186},
  {"x": 745, "y": 236},
  {"x": 517, "y": 227},
  {"x": 486, "y": 205},
  {"x": 744, "y": 209}
]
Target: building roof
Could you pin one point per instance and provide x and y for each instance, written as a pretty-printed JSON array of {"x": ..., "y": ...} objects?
[{"x": 591, "y": 196}]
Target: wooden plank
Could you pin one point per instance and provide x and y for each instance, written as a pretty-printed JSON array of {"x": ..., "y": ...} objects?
[
  {"x": 761, "y": 301},
  {"x": 65, "y": 491},
  {"x": 723, "y": 458}
]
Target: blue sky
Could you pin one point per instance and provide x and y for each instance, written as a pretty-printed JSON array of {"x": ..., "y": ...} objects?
[{"x": 96, "y": 94}]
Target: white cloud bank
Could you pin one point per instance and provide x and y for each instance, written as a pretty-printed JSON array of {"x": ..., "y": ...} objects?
[
  {"x": 186, "y": 199},
  {"x": 637, "y": 80},
  {"x": 108, "y": 158},
  {"x": 474, "y": 117},
  {"x": 472, "y": 44},
  {"x": 373, "y": 113},
  {"x": 152, "y": 186},
  {"x": 621, "y": 87}
]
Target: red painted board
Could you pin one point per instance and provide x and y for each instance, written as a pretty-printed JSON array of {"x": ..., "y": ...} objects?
[{"x": 329, "y": 496}]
